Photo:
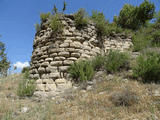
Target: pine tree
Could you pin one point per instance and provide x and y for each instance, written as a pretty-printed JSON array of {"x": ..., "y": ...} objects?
[{"x": 4, "y": 63}]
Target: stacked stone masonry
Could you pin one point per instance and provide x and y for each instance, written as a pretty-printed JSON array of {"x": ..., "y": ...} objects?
[{"x": 53, "y": 54}]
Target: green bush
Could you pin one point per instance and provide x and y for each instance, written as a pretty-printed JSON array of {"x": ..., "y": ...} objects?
[
  {"x": 25, "y": 69},
  {"x": 116, "y": 60},
  {"x": 113, "y": 28},
  {"x": 100, "y": 21},
  {"x": 98, "y": 62},
  {"x": 56, "y": 24},
  {"x": 155, "y": 38},
  {"x": 148, "y": 67},
  {"x": 81, "y": 71},
  {"x": 103, "y": 26},
  {"x": 148, "y": 36},
  {"x": 132, "y": 17},
  {"x": 140, "y": 41},
  {"x": 26, "y": 88},
  {"x": 26, "y": 73},
  {"x": 37, "y": 27},
  {"x": 81, "y": 19},
  {"x": 44, "y": 16}
]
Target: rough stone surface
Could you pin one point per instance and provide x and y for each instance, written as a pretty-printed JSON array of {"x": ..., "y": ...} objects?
[{"x": 53, "y": 54}]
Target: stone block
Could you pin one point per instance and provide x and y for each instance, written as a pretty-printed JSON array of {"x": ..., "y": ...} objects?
[
  {"x": 44, "y": 57},
  {"x": 35, "y": 76},
  {"x": 72, "y": 58},
  {"x": 39, "y": 81},
  {"x": 33, "y": 71},
  {"x": 85, "y": 47},
  {"x": 51, "y": 69},
  {"x": 49, "y": 59},
  {"x": 77, "y": 55},
  {"x": 85, "y": 56},
  {"x": 53, "y": 55},
  {"x": 40, "y": 87},
  {"x": 70, "y": 50},
  {"x": 54, "y": 75},
  {"x": 47, "y": 81},
  {"x": 67, "y": 62},
  {"x": 55, "y": 50},
  {"x": 51, "y": 87},
  {"x": 63, "y": 68},
  {"x": 60, "y": 81},
  {"x": 45, "y": 64},
  {"x": 64, "y": 45},
  {"x": 68, "y": 40},
  {"x": 67, "y": 33},
  {"x": 59, "y": 58},
  {"x": 41, "y": 69},
  {"x": 56, "y": 63},
  {"x": 76, "y": 44},
  {"x": 64, "y": 54},
  {"x": 44, "y": 76}
]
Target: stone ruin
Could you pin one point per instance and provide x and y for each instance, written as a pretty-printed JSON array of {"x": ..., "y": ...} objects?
[{"x": 53, "y": 54}]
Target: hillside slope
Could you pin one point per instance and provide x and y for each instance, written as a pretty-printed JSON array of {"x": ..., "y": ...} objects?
[{"x": 113, "y": 97}]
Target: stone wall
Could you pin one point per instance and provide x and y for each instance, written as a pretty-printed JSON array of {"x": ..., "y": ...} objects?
[{"x": 53, "y": 54}]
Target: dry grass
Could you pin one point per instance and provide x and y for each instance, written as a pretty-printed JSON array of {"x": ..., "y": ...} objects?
[{"x": 91, "y": 105}]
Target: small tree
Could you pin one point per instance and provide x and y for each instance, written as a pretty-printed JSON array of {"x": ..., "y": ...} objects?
[
  {"x": 64, "y": 6},
  {"x": 54, "y": 10},
  {"x": 4, "y": 63},
  {"x": 132, "y": 17}
]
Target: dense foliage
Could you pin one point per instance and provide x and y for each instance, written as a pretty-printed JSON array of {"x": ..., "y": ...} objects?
[
  {"x": 56, "y": 24},
  {"x": 81, "y": 18},
  {"x": 116, "y": 60},
  {"x": 100, "y": 21},
  {"x": 45, "y": 16},
  {"x": 81, "y": 71},
  {"x": 132, "y": 17},
  {"x": 148, "y": 67}
]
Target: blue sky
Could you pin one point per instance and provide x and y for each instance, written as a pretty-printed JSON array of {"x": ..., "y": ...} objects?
[{"x": 17, "y": 19}]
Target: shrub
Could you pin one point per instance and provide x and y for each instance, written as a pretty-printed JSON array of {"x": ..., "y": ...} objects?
[
  {"x": 37, "y": 27},
  {"x": 116, "y": 60},
  {"x": 112, "y": 28},
  {"x": 4, "y": 63},
  {"x": 81, "y": 71},
  {"x": 157, "y": 17},
  {"x": 100, "y": 21},
  {"x": 56, "y": 24},
  {"x": 103, "y": 26},
  {"x": 148, "y": 36},
  {"x": 132, "y": 17},
  {"x": 98, "y": 62},
  {"x": 26, "y": 88},
  {"x": 127, "y": 17},
  {"x": 155, "y": 38},
  {"x": 80, "y": 18},
  {"x": 25, "y": 69},
  {"x": 125, "y": 97},
  {"x": 140, "y": 41},
  {"x": 26, "y": 73},
  {"x": 44, "y": 16},
  {"x": 148, "y": 67}
]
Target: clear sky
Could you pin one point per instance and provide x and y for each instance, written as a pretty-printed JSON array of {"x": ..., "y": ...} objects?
[{"x": 17, "y": 19}]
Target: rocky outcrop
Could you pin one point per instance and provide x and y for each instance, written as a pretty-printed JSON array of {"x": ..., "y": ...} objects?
[{"x": 53, "y": 53}]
